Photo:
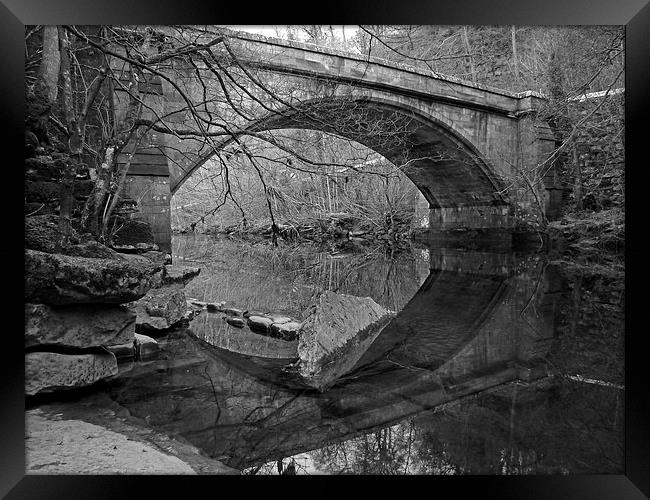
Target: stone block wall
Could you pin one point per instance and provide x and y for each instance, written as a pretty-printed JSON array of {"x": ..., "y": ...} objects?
[{"x": 449, "y": 218}]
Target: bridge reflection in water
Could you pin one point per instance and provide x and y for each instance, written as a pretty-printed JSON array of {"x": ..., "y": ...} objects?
[{"x": 478, "y": 320}]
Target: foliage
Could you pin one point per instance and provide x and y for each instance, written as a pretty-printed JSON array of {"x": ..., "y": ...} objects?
[{"x": 368, "y": 197}]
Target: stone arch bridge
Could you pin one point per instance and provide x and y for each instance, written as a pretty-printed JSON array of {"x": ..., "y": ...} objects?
[{"x": 462, "y": 144}]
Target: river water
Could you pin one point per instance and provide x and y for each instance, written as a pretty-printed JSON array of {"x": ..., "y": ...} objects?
[{"x": 495, "y": 363}]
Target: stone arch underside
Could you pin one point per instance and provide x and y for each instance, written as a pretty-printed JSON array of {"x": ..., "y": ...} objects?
[{"x": 446, "y": 168}]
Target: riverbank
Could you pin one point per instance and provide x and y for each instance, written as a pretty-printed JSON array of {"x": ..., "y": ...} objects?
[
  {"x": 319, "y": 229},
  {"x": 589, "y": 233}
]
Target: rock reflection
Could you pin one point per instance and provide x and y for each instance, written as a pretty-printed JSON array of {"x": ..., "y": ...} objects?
[{"x": 459, "y": 381}]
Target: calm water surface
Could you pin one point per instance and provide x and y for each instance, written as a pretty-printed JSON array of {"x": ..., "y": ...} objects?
[{"x": 493, "y": 364}]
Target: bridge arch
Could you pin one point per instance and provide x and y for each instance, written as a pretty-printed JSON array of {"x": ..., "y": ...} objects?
[
  {"x": 449, "y": 170},
  {"x": 490, "y": 135}
]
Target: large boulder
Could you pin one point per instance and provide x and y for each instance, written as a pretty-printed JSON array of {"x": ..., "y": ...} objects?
[
  {"x": 160, "y": 309},
  {"x": 63, "y": 279},
  {"x": 338, "y": 330},
  {"x": 50, "y": 371},
  {"x": 85, "y": 325}
]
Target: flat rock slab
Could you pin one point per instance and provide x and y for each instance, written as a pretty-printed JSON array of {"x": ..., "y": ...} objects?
[
  {"x": 50, "y": 371},
  {"x": 180, "y": 274},
  {"x": 160, "y": 309},
  {"x": 78, "y": 447},
  {"x": 85, "y": 325},
  {"x": 335, "y": 335},
  {"x": 61, "y": 279}
]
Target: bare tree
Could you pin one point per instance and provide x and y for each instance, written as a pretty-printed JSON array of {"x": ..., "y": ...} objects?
[{"x": 96, "y": 63}]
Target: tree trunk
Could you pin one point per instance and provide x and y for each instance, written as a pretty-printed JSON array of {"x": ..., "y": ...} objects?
[
  {"x": 515, "y": 62},
  {"x": 67, "y": 185},
  {"x": 470, "y": 58},
  {"x": 117, "y": 191},
  {"x": 91, "y": 215},
  {"x": 46, "y": 87},
  {"x": 559, "y": 114},
  {"x": 577, "y": 178},
  {"x": 50, "y": 64}
]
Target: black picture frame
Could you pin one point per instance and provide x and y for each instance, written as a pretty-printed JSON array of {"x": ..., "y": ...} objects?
[{"x": 634, "y": 14}]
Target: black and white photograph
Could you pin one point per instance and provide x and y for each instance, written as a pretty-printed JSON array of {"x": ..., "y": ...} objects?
[{"x": 359, "y": 249}]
